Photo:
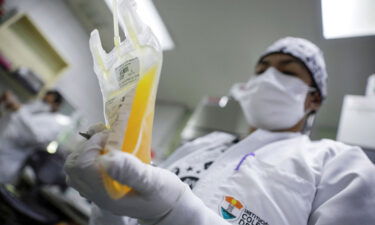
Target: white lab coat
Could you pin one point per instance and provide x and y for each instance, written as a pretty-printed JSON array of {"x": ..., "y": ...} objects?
[
  {"x": 20, "y": 133},
  {"x": 291, "y": 180}
]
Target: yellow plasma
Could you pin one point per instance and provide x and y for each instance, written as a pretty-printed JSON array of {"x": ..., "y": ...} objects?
[{"x": 137, "y": 138}]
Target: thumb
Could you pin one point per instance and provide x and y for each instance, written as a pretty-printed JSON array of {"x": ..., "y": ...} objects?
[
  {"x": 127, "y": 169},
  {"x": 96, "y": 128}
]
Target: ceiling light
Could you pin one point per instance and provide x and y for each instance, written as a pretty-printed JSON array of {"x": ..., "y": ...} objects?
[{"x": 348, "y": 18}]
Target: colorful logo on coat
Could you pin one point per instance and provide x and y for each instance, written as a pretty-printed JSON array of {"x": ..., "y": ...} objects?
[{"x": 231, "y": 208}]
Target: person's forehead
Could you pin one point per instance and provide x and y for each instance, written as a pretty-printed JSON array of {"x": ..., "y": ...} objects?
[{"x": 280, "y": 58}]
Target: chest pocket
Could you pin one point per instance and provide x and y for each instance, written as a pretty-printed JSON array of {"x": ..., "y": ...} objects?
[{"x": 259, "y": 193}]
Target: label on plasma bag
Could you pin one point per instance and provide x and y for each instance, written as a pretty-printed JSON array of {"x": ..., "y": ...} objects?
[
  {"x": 127, "y": 73},
  {"x": 119, "y": 107}
]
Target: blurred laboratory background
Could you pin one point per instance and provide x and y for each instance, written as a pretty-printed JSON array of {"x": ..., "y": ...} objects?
[{"x": 208, "y": 45}]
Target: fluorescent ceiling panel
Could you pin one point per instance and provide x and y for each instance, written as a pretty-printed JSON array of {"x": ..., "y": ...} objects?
[
  {"x": 149, "y": 15},
  {"x": 348, "y": 18}
]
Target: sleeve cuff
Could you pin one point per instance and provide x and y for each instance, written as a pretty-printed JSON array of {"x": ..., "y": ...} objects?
[{"x": 103, "y": 217}]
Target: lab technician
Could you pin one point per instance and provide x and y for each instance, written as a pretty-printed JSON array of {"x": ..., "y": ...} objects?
[
  {"x": 275, "y": 176},
  {"x": 25, "y": 127}
]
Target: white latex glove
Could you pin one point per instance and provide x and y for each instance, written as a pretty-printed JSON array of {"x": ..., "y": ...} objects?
[
  {"x": 155, "y": 192},
  {"x": 102, "y": 217},
  {"x": 93, "y": 129}
]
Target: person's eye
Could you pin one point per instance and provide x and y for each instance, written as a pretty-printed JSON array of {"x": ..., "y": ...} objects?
[{"x": 288, "y": 72}]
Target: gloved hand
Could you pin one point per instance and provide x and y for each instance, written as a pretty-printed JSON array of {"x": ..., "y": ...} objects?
[
  {"x": 93, "y": 129},
  {"x": 155, "y": 191}
]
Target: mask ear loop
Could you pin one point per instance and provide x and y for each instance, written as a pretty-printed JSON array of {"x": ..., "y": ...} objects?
[
  {"x": 309, "y": 123},
  {"x": 310, "y": 117}
]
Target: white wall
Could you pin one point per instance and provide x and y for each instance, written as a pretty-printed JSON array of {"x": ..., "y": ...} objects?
[
  {"x": 217, "y": 44},
  {"x": 219, "y": 41},
  {"x": 78, "y": 84}
]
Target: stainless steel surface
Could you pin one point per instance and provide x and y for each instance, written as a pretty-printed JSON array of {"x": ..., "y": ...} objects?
[{"x": 215, "y": 114}]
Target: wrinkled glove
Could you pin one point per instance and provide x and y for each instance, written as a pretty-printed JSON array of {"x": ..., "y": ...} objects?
[
  {"x": 96, "y": 128},
  {"x": 155, "y": 190}
]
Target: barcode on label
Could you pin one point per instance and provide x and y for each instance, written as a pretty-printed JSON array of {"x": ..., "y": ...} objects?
[
  {"x": 122, "y": 73},
  {"x": 128, "y": 72}
]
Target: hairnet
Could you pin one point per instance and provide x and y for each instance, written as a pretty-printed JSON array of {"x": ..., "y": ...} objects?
[{"x": 308, "y": 53}]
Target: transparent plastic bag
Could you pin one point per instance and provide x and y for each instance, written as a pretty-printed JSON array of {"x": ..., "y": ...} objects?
[{"x": 128, "y": 78}]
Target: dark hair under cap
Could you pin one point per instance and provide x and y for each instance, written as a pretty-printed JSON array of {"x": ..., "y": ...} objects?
[{"x": 58, "y": 98}]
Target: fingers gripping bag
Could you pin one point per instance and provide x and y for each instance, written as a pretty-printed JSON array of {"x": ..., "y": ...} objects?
[{"x": 128, "y": 78}]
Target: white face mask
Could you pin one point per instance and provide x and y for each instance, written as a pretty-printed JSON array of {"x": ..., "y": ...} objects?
[{"x": 272, "y": 100}]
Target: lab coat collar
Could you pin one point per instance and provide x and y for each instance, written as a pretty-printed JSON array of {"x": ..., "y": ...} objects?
[
  {"x": 252, "y": 143},
  {"x": 266, "y": 134},
  {"x": 263, "y": 137},
  {"x": 257, "y": 140}
]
